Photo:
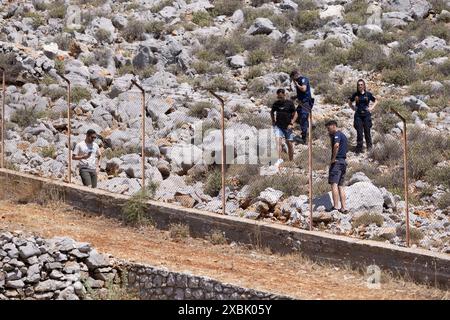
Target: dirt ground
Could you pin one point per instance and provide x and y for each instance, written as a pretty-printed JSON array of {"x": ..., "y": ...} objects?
[{"x": 289, "y": 275}]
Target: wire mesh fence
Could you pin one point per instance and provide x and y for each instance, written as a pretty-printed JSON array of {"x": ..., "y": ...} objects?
[{"x": 206, "y": 155}]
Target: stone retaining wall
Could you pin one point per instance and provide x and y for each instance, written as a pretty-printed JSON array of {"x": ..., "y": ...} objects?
[{"x": 418, "y": 264}]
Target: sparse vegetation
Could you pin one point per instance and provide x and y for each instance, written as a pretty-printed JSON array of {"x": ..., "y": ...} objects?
[
  {"x": 217, "y": 237},
  {"x": 227, "y": 7},
  {"x": 444, "y": 201},
  {"x": 213, "y": 183},
  {"x": 200, "y": 109},
  {"x": 80, "y": 93},
  {"x": 355, "y": 12},
  {"x": 25, "y": 117},
  {"x": 258, "y": 56},
  {"x": 202, "y": 18},
  {"x": 290, "y": 184},
  {"x": 256, "y": 120},
  {"x": 134, "y": 209},
  {"x": 102, "y": 35},
  {"x": 178, "y": 231},
  {"x": 308, "y": 20},
  {"x": 366, "y": 219},
  {"x": 49, "y": 152}
]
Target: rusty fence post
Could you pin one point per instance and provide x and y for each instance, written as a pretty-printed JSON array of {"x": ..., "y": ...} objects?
[
  {"x": 143, "y": 113},
  {"x": 405, "y": 173},
  {"x": 69, "y": 128},
  {"x": 222, "y": 127},
  {"x": 310, "y": 170},
  {"x": 3, "y": 118}
]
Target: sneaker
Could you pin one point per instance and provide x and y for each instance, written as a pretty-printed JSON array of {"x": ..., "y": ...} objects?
[{"x": 279, "y": 161}]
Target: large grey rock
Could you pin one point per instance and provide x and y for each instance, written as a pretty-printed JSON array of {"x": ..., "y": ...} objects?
[
  {"x": 360, "y": 197},
  {"x": 396, "y": 19},
  {"x": 369, "y": 30},
  {"x": 415, "y": 104},
  {"x": 97, "y": 260},
  {"x": 358, "y": 177},
  {"x": 271, "y": 196},
  {"x": 332, "y": 11},
  {"x": 237, "y": 61},
  {"x": 15, "y": 284},
  {"x": 261, "y": 26},
  {"x": 29, "y": 250},
  {"x": 289, "y": 5},
  {"x": 414, "y": 8},
  {"x": 144, "y": 58},
  {"x": 433, "y": 43}
]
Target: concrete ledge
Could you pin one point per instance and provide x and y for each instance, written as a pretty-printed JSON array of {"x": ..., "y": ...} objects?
[{"x": 421, "y": 265}]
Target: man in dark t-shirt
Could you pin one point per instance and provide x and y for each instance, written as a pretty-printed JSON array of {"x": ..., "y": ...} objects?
[
  {"x": 283, "y": 118},
  {"x": 338, "y": 165}
]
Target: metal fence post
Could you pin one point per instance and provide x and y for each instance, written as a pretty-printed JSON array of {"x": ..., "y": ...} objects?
[
  {"x": 222, "y": 127},
  {"x": 310, "y": 169},
  {"x": 143, "y": 130},
  {"x": 69, "y": 128},
  {"x": 405, "y": 174},
  {"x": 3, "y": 118}
]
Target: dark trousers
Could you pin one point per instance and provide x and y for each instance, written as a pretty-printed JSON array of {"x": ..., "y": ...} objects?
[
  {"x": 89, "y": 177},
  {"x": 303, "y": 120},
  {"x": 362, "y": 124}
]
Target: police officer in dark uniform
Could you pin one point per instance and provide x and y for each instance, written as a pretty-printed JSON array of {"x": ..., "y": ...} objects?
[
  {"x": 304, "y": 99},
  {"x": 363, "y": 118}
]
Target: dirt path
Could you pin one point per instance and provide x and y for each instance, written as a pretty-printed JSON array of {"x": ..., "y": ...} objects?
[{"x": 288, "y": 275}]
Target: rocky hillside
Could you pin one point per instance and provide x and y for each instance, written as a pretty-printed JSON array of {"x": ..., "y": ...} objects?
[{"x": 244, "y": 50}]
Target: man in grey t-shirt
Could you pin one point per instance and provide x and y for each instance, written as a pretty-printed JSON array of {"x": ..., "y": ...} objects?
[{"x": 88, "y": 153}]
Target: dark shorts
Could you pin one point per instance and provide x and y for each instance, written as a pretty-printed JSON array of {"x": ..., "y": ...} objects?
[{"x": 336, "y": 173}]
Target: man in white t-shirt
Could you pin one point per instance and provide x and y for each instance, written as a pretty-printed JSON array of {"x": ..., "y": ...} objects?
[{"x": 88, "y": 153}]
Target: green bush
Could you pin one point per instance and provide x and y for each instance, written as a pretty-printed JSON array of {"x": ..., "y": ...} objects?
[
  {"x": 419, "y": 88},
  {"x": 200, "y": 109},
  {"x": 26, "y": 117},
  {"x": 155, "y": 26},
  {"x": 213, "y": 183},
  {"x": 366, "y": 219},
  {"x": 54, "y": 94},
  {"x": 160, "y": 5},
  {"x": 80, "y": 93},
  {"x": 366, "y": 55},
  {"x": 444, "y": 201},
  {"x": 254, "y": 72},
  {"x": 38, "y": 20},
  {"x": 227, "y": 7},
  {"x": 49, "y": 152},
  {"x": 178, "y": 231},
  {"x": 134, "y": 31},
  {"x": 221, "y": 83},
  {"x": 256, "y": 120},
  {"x": 63, "y": 40},
  {"x": 308, "y": 20},
  {"x": 289, "y": 184},
  {"x": 58, "y": 10},
  {"x": 102, "y": 35},
  {"x": 257, "y": 88},
  {"x": 202, "y": 18},
  {"x": 244, "y": 173},
  {"x": 338, "y": 94},
  {"x": 258, "y": 56},
  {"x": 355, "y": 12},
  {"x": 135, "y": 208},
  {"x": 439, "y": 175},
  {"x": 444, "y": 68},
  {"x": 388, "y": 152},
  {"x": 399, "y": 76}
]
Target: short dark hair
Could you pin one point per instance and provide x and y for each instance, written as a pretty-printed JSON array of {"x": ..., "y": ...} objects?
[
  {"x": 90, "y": 132},
  {"x": 331, "y": 123},
  {"x": 294, "y": 73},
  {"x": 281, "y": 90}
]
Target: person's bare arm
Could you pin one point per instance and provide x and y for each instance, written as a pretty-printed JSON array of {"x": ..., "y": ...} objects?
[
  {"x": 334, "y": 154},
  {"x": 294, "y": 118},
  {"x": 99, "y": 159},
  {"x": 350, "y": 104},
  {"x": 374, "y": 106},
  {"x": 301, "y": 87},
  {"x": 272, "y": 116}
]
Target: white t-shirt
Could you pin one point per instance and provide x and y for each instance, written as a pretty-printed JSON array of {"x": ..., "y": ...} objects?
[{"x": 81, "y": 149}]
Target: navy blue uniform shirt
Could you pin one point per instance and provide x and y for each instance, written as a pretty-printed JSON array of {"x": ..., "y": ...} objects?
[
  {"x": 340, "y": 138},
  {"x": 362, "y": 100},
  {"x": 303, "y": 96}
]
